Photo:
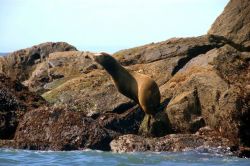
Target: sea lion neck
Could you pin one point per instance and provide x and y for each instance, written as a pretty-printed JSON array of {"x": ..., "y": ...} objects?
[{"x": 115, "y": 69}]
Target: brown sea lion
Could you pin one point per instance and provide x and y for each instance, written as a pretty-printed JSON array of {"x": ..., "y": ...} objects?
[{"x": 138, "y": 87}]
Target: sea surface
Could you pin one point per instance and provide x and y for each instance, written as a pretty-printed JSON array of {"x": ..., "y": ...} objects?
[
  {"x": 3, "y": 54},
  {"x": 10, "y": 157}
]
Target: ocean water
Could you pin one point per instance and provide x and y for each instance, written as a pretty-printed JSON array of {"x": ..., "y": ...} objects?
[
  {"x": 3, "y": 54},
  {"x": 10, "y": 157}
]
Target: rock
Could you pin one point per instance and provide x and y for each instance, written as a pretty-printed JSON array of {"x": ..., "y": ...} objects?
[
  {"x": 186, "y": 48},
  {"x": 127, "y": 122},
  {"x": 71, "y": 78},
  {"x": 58, "y": 128},
  {"x": 6, "y": 143},
  {"x": 244, "y": 152},
  {"x": 155, "y": 126},
  {"x": 15, "y": 101},
  {"x": 234, "y": 23},
  {"x": 93, "y": 92},
  {"x": 184, "y": 112},
  {"x": 172, "y": 142},
  {"x": 220, "y": 84},
  {"x": 20, "y": 64},
  {"x": 193, "y": 77},
  {"x": 234, "y": 67},
  {"x": 58, "y": 68}
]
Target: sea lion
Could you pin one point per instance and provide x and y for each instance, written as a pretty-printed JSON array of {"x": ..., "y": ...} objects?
[{"x": 138, "y": 87}]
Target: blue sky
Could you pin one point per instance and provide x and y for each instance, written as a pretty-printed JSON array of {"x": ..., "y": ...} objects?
[{"x": 103, "y": 25}]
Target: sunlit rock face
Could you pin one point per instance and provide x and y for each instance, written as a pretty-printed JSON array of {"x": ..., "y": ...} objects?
[{"x": 233, "y": 24}]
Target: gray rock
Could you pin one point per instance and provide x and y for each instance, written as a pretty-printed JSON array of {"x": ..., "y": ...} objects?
[{"x": 233, "y": 24}]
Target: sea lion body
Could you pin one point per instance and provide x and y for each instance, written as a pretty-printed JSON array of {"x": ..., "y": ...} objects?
[{"x": 138, "y": 87}]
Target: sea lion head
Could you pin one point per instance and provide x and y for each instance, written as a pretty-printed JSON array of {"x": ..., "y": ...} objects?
[{"x": 104, "y": 59}]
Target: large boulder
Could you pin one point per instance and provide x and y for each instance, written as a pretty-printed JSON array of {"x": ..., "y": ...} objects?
[
  {"x": 15, "y": 101},
  {"x": 92, "y": 93},
  {"x": 233, "y": 24},
  {"x": 20, "y": 64},
  {"x": 184, "y": 112},
  {"x": 58, "y": 68},
  {"x": 63, "y": 128},
  {"x": 234, "y": 67},
  {"x": 221, "y": 79},
  {"x": 55, "y": 128}
]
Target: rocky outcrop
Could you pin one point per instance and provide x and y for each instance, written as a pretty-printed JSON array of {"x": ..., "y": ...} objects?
[
  {"x": 184, "y": 48},
  {"x": 234, "y": 67},
  {"x": 20, "y": 64},
  {"x": 233, "y": 24},
  {"x": 88, "y": 87},
  {"x": 71, "y": 78},
  {"x": 204, "y": 81},
  {"x": 172, "y": 142},
  {"x": 60, "y": 129},
  {"x": 127, "y": 122},
  {"x": 219, "y": 103},
  {"x": 92, "y": 93},
  {"x": 15, "y": 101},
  {"x": 225, "y": 101},
  {"x": 58, "y": 68},
  {"x": 184, "y": 112},
  {"x": 63, "y": 128}
]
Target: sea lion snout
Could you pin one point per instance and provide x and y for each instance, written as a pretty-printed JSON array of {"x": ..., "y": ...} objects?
[
  {"x": 97, "y": 54},
  {"x": 94, "y": 56},
  {"x": 101, "y": 54},
  {"x": 100, "y": 57}
]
